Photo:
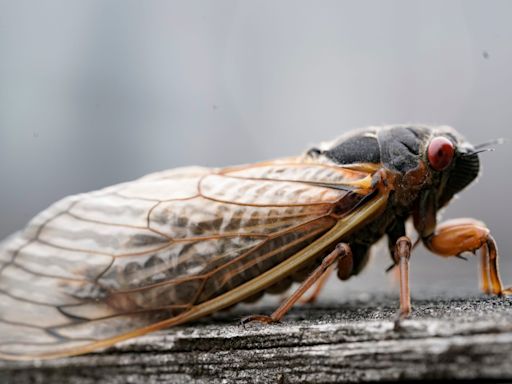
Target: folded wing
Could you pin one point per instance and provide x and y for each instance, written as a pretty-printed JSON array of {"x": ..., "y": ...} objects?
[{"x": 98, "y": 265}]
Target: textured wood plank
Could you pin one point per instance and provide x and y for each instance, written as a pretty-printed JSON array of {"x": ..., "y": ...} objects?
[{"x": 468, "y": 338}]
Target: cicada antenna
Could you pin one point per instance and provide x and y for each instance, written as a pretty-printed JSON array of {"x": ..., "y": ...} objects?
[
  {"x": 484, "y": 147},
  {"x": 486, "y": 144},
  {"x": 476, "y": 152}
]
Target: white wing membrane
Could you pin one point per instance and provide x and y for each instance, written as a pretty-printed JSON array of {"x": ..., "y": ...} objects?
[{"x": 97, "y": 265}]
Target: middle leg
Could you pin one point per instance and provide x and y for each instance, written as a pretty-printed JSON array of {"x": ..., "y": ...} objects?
[{"x": 401, "y": 256}]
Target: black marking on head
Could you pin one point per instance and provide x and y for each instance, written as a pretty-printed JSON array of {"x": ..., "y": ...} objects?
[
  {"x": 400, "y": 147},
  {"x": 356, "y": 149}
]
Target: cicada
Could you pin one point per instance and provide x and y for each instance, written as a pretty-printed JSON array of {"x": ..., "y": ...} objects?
[{"x": 172, "y": 247}]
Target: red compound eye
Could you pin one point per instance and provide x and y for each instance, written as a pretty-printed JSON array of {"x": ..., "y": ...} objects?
[{"x": 440, "y": 153}]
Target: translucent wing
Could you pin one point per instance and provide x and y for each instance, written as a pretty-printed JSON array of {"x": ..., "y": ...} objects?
[{"x": 96, "y": 267}]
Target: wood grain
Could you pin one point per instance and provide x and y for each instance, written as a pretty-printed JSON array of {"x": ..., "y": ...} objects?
[{"x": 452, "y": 339}]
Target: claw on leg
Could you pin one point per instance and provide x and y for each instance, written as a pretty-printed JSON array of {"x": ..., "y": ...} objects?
[{"x": 258, "y": 318}]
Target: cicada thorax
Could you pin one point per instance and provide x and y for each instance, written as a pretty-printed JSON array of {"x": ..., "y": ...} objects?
[{"x": 398, "y": 169}]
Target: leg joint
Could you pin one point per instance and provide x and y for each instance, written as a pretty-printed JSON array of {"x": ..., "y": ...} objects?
[{"x": 402, "y": 248}]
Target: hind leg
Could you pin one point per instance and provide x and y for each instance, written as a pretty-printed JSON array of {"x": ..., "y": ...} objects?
[
  {"x": 347, "y": 267},
  {"x": 339, "y": 254}
]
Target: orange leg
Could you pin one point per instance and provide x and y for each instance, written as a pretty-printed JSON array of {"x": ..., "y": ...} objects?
[
  {"x": 468, "y": 235},
  {"x": 338, "y": 254},
  {"x": 490, "y": 251},
  {"x": 484, "y": 269}
]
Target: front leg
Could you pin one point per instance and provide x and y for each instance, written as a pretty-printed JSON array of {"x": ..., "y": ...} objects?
[{"x": 457, "y": 236}]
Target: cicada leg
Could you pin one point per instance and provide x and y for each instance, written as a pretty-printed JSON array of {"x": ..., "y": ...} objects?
[
  {"x": 484, "y": 271},
  {"x": 341, "y": 252},
  {"x": 457, "y": 236},
  {"x": 319, "y": 286},
  {"x": 401, "y": 256},
  {"x": 345, "y": 268}
]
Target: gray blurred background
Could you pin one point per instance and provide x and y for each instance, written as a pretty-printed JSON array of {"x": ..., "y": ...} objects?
[{"x": 93, "y": 93}]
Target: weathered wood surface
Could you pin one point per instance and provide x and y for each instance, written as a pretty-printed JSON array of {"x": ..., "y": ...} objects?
[{"x": 469, "y": 338}]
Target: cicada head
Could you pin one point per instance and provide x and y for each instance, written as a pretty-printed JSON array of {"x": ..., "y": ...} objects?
[
  {"x": 453, "y": 161},
  {"x": 437, "y": 159}
]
